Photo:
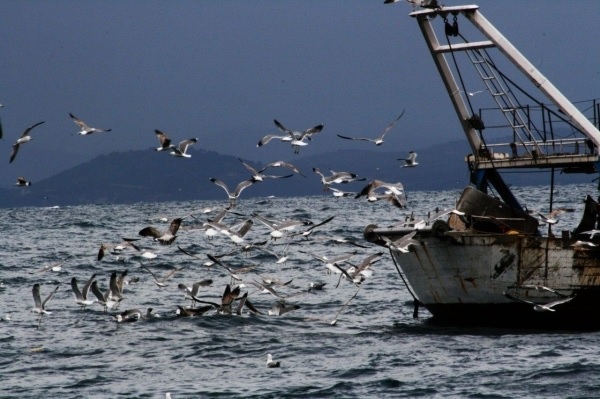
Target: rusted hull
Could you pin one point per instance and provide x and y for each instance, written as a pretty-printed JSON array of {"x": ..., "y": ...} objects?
[{"x": 462, "y": 277}]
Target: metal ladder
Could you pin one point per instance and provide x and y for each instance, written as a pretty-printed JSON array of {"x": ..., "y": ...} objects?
[{"x": 504, "y": 99}]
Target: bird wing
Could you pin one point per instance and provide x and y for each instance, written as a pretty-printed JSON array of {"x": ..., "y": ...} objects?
[
  {"x": 36, "y": 296},
  {"x": 164, "y": 140},
  {"x": 76, "y": 289},
  {"x": 514, "y": 298},
  {"x": 391, "y": 125},
  {"x": 174, "y": 226},
  {"x": 82, "y": 125},
  {"x": 13, "y": 153},
  {"x": 183, "y": 145},
  {"x": 26, "y": 131},
  {"x": 282, "y": 128},
  {"x": 220, "y": 184},
  {"x": 312, "y": 130},
  {"x": 150, "y": 231},
  {"x": 50, "y": 295},
  {"x": 354, "y": 138},
  {"x": 86, "y": 287},
  {"x": 96, "y": 291},
  {"x": 268, "y": 138},
  {"x": 250, "y": 168},
  {"x": 241, "y": 186}
]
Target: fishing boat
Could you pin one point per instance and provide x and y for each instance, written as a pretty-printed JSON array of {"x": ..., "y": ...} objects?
[{"x": 490, "y": 260}]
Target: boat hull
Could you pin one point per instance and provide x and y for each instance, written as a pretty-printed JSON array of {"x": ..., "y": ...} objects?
[{"x": 462, "y": 277}]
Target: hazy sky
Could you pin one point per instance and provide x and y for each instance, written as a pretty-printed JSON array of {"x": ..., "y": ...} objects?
[{"x": 223, "y": 70}]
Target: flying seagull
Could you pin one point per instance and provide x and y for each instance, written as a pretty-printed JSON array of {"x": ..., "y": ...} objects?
[
  {"x": 22, "y": 182},
  {"x": 410, "y": 161},
  {"x": 166, "y": 237},
  {"x": 540, "y": 307},
  {"x": 40, "y": 307},
  {"x": 164, "y": 140},
  {"x": 378, "y": 140},
  {"x": 162, "y": 282},
  {"x": 233, "y": 195},
  {"x": 81, "y": 297},
  {"x": 295, "y": 138},
  {"x": 85, "y": 129},
  {"x": 25, "y": 137},
  {"x": 394, "y": 192},
  {"x": 181, "y": 150},
  {"x": 257, "y": 175},
  {"x": 337, "y": 177}
]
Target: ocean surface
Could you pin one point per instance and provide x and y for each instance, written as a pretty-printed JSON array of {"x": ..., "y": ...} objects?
[{"x": 376, "y": 349}]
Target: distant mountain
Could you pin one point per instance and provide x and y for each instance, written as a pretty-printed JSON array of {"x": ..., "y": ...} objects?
[{"x": 147, "y": 176}]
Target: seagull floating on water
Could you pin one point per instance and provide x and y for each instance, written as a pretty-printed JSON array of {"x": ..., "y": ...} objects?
[
  {"x": 85, "y": 129},
  {"x": 25, "y": 137},
  {"x": 271, "y": 363}
]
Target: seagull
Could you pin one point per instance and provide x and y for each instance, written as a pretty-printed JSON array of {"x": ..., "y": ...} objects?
[
  {"x": 181, "y": 150},
  {"x": 401, "y": 244},
  {"x": 360, "y": 272},
  {"x": 279, "y": 229},
  {"x": 164, "y": 140},
  {"x": 282, "y": 164},
  {"x": 162, "y": 282},
  {"x": 55, "y": 267},
  {"x": 332, "y": 264},
  {"x": 378, "y": 140},
  {"x": 128, "y": 316},
  {"x": 85, "y": 129},
  {"x": 280, "y": 308},
  {"x": 592, "y": 233},
  {"x": 540, "y": 307},
  {"x": 339, "y": 193},
  {"x": 552, "y": 217},
  {"x": 394, "y": 192},
  {"x": 190, "y": 293},
  {"x": 316, "y": 286},
  {"x": 334, "y": 321},
  {"x": 271, "y": 363},
  {"x": 40, "y": 307},
  {"x": 295, "y": 138},
  {"x": 191, "y": 312},
  {"x": 81, "y": 297},
  {"x": 541, "y": 288},
  {"x": 410, "y": 161},
  {"x": 258, "y": 176},
  {"x": 116, "y": 248},
  {"x": 233, "y": 196},
  {"x": 106, "y": 299},
  {"x": 25, "y": 137},
  {"x": 167, "y": 237},
  {"x": 22, "y": 182},
  {"x": 337, "y": 177}
]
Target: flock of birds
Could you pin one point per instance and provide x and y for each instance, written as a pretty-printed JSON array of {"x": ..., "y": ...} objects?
[{"x": 245, "y": 282}]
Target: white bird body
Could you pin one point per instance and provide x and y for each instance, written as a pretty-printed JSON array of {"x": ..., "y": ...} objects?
[{"x": 181, "y": 150}]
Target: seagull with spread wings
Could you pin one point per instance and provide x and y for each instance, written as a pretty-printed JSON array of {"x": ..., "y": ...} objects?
[
  {"x": 25, "y": 137},
  {"x": 377, "y": 140},
  {"x": 85, "y": 129}
]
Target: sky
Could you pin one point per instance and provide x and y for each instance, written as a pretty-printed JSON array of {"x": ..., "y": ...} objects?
[{"x": 221, "y": 71}]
